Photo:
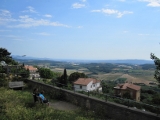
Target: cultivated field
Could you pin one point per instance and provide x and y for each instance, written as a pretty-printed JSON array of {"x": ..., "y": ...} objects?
[{"x": 134, "y": 76}]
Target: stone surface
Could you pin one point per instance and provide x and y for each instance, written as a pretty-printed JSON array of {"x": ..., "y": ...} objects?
[{"x": 61, "y": 105}]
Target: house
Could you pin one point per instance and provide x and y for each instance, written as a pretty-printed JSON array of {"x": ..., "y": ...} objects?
[
  {"x": 132, "y": 89},
  {"x": 33, "y": 71},
  {"x": 87, "y": 84}
]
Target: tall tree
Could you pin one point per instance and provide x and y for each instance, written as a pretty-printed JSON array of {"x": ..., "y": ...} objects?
[
  {"x": 63, "y": 79},
  {"x": 157, "y": 64},
  {"x": 6, "y": 56}
]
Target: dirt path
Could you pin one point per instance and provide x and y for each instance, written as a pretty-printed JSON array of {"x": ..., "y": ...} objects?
[{"x": 61, "y": 105}]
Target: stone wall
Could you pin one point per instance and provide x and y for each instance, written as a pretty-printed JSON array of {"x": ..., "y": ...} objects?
[{"x": 100, "y": 107}]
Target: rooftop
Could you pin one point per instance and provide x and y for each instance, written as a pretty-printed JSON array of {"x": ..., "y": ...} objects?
[
  {"x": 128, "y": 85},
  {"x": 85, "y": 81},
  {"x": 30, "y": 68}
]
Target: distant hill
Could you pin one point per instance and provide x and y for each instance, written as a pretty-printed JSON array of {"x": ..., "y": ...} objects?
[{"x": 125, "y": 61}]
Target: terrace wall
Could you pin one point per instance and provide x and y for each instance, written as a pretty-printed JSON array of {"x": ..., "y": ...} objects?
[{"x": 100, "y": 107}]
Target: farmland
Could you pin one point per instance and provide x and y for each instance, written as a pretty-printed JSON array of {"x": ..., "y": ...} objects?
[{"x": 103, "y": 71}]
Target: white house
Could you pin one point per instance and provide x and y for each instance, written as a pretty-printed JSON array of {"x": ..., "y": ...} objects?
[{"x": 87, "y": 84}]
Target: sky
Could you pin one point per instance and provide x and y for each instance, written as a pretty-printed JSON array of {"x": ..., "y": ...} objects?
[{"x": 81, "y": 29}]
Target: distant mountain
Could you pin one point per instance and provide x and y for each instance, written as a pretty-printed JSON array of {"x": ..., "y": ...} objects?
[
  {"x": 125, "y": 61},
  {"x": 17, "y": 57},
  {"x": 130, "y": 61}
]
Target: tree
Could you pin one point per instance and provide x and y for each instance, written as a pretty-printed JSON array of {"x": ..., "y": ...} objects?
[
  {"x": 127, "y": 95},
  {"x": 74, "y": 76},
  {"x": 64, "y": 77},
  {"x": 156, "y": 99},
  {"x": 24, "y": 73},
  {"x": 157, "y": 64},
  {"x": 46, "y": 73},
  {"x": 5, "y": 56},
  {"x": 104, "y": 87}
]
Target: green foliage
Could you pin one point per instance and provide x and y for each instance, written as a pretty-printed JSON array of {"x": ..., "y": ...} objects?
[
  {"x": 69, "y": 86},
  {"x": 157, "y": 64},
  {"x": 107, "y": 87},
  {"x": 149, "y": 95},
  {"x": 24, "y": 73},
  {"x": 127, "y": 95},
  {"x": 148, "y": 66},
  {"x": 120, "y": 80},
  {"x": 156, "y": 99},
  {"x": 46, "y": 73},
  {"x": 5, "y": 56},
  {"x": 104, "y": 87},
  {"x": 63, "y": 80},
  {"x": 100, "y": 67},
  {"x": 74, "y": 76},
  {"x": 3, "y": 80},
  {"x": 18, "y": 105}
]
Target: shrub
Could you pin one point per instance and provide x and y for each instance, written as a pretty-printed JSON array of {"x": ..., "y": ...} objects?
[{"x": 18, "y": 105}]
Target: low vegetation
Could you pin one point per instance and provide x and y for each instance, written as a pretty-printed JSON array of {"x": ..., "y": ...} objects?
[{"x": 18, "y": 105}]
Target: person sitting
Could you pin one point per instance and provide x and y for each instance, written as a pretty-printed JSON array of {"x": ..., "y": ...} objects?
[
  {"x": 44, "y": 100},
  {"x": 35, "y": 95}
]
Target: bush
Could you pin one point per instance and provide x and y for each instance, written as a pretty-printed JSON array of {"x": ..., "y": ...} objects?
[{"x": 18, "y": 105}]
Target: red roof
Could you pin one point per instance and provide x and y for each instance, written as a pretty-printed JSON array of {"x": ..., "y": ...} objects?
[
  {"x": 85, "y": 81},
  {"x": 30, "y": 68},
  {"x": 128, "y": 85}
]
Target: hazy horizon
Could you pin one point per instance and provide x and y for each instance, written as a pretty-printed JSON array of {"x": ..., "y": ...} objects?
[{"x": 114, "y": 61}]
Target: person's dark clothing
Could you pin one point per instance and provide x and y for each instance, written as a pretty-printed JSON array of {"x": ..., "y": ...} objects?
[{"x": 35, "y": 96}]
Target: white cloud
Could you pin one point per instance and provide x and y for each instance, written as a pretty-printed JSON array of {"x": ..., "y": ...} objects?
[
  {"x": 83, "y": 0},
  {"x": 43, "y": 33},
  {"x": 5, "y": 16},
  {"x": 5, "y": 13},
  {"x": 109, "y": 11},
  {"x": 80, "y": 27},
  {"x": 30, "y": 9},
  {"x": 143, "y": 34},
  {"x": 96, "y": 11},
  {"x": 112, "y": 11},
  {"x": 152, "y": 3},
  {"x": 78, "y": 5},
  {"x": 47, "y": 15},
  {"x": 26, "y": 21},
  {"x": 120, "y": 14}
]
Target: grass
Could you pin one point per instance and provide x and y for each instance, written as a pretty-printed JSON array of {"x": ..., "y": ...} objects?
[{"x": 18, "y": 105}]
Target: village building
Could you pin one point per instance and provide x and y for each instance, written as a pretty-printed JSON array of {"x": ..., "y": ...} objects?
[
  {"x": 87, "y": 84},
  {"x": 132, "y": 89},
  {"x": 33, "y": 71}
]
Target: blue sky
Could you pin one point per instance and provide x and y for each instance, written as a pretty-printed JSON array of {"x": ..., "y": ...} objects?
[{"x": 81, "y": 29}]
